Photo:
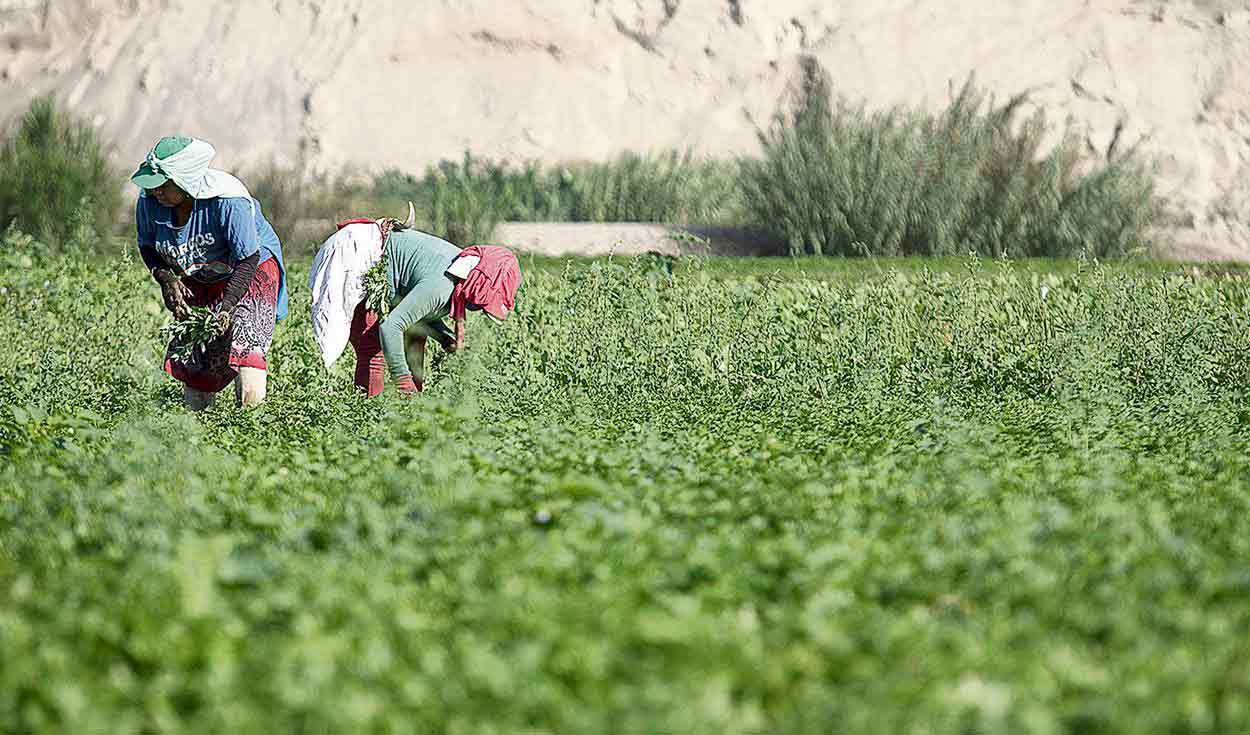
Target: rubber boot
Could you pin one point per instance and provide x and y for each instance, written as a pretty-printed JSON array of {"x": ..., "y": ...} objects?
[
  {"x": 197, "y": 400},
  {"x": 249, "y": 387}
]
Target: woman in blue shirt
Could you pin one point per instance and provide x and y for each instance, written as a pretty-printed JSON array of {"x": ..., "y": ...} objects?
[{"x": 207, "y": 244}]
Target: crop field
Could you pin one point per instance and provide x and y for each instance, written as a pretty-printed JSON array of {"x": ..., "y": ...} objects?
[{"x": 693, "y": 497}]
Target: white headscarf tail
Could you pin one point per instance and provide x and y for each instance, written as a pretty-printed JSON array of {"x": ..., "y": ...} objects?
[{"x": 189, "y": 169}]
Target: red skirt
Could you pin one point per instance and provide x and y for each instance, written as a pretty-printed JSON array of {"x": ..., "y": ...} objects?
[{"x": 245, "y": 344}]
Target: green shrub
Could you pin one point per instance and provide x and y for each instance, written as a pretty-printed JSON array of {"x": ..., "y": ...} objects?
[
  {"x": 55, "y": 179},
  {"x": 839, "y": 180},
  {"x": 475, "y": 194},
  {"x": 303, "y": 206},
  {"x": 672, "y": 188},
  {"x": 463, "y": 202}
]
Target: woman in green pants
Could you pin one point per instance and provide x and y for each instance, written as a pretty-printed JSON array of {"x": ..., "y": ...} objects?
[
  {"x": 420, "y": 292},
  {"x": 422, "y": 279}
]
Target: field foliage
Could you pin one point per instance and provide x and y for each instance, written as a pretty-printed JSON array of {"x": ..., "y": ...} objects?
[
  {"x": 832, "y": 178},
  {"x": 663, "y": 497},
  {"x": 667, "y": 187},
  {"x": 838, "y": 179},
  {"x": 55, "y": 178},
  {"x": 464, "y": 200}
]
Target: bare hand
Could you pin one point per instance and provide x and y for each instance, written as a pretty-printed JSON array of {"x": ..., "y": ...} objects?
[{"x": 175, "y": 293}]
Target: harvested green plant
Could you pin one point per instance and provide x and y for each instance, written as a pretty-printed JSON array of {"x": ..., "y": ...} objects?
[
  {"x": 191, "y": 334},
  {"x": 378, "y": 288}
]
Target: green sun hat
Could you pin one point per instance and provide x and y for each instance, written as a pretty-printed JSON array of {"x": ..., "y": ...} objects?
[{"x": 149, "y": 175}]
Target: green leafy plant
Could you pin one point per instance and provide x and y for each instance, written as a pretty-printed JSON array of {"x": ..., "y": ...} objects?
[
  {"x": 55, "y": 179},
  {"x": 796, "y": 493},
  {"x": 191, "y": 335},
  {"x": 378, "y": 287},
  {"x": 841, "y": 180}
]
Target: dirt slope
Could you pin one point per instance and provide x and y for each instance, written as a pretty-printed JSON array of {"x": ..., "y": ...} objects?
[{"x": 382, "y": 82}]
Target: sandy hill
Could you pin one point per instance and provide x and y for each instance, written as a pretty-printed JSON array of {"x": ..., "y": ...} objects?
[{"x": 388, "y": 82}]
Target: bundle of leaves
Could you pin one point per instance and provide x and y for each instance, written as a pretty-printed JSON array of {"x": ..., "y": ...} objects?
[
  {"x": 377, "y": 288},
  {"x": 191, "y": 335}
]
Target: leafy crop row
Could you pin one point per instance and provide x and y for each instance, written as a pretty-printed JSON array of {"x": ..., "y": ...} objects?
[{"x": 664, "y": 497}]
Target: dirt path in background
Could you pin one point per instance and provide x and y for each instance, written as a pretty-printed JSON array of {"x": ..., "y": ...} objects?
[
  {"x": 554, "y": 238},
  {"x": 594, "y": 238}
]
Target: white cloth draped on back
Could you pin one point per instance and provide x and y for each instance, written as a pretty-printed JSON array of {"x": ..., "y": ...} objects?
[{"x": 337, "y": 284}]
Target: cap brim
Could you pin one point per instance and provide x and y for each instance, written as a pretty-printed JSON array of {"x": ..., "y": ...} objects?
[{"x": 148, "y": 180}]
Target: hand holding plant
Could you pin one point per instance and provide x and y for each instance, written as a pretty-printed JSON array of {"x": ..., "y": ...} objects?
[
  {"x": 174, "y": 292},
  {"x": 222, "y": 320},
  {"x": 192, "y": 333}
]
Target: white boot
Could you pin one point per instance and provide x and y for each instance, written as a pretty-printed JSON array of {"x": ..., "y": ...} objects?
[
  {"x": 249, "y": 387},
  {"x": 197, "y": 400}
]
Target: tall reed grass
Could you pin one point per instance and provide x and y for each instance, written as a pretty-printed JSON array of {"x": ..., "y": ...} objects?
[{"x": 838, "y": 179}]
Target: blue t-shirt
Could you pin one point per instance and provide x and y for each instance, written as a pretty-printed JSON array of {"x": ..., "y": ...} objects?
[{"x": 219, "y": 233}]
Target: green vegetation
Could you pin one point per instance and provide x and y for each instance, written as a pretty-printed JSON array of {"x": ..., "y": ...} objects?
[
  {"x": 55, "y": 179},
  {"x": 463, "y": 201},
  {"x": 669, "y": 187},
  {"x": 950, "y": 495},
  {"x": 663, "y": 497},
  {"x": 192, "y": 334},
  {"x": 378, "y": 287},
  {"x": 833, "y": 179},
  {"x": 288, "y": 195},
  {"x": 839, "y": 180}
]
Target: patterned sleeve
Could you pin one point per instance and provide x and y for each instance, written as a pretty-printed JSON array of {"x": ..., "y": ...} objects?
[{"x": 238, "y": 226}]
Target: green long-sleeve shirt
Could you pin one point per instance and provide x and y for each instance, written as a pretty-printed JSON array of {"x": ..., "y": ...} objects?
[{"x": 417, "y": 266}]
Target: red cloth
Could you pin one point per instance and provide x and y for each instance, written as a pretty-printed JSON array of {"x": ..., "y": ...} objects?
[
  {"x": 492, "y": 284},
  {"x": 357, "y": 221},
  {"x": 245, "y": 344},
  {"x": 366, "y": 340},
  {"x": 408, "y": 386}
]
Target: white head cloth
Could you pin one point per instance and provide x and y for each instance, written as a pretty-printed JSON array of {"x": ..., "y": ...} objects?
[{"x": 188, "y": 168}]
